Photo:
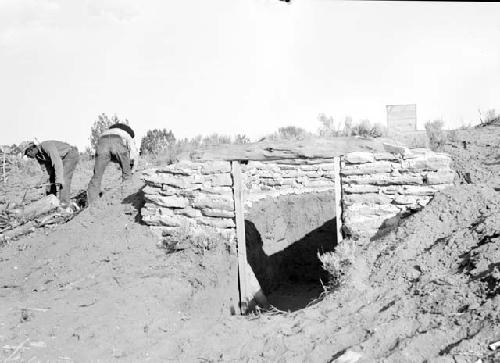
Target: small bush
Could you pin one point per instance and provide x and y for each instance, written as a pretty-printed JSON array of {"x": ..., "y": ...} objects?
[
  {"x": 435, "y": 134},
  {"x": 241, "y": 139},
  {"x": 156, "y": 141},
  {"x": 327, "y": 128},
  {"x": 339, "y": 262},
  {"x": 188, "y": 237},
  {"x": 377, "y": 131},
  {"x": 292, "y": 133},
  {"x": 102, "y": 123}
]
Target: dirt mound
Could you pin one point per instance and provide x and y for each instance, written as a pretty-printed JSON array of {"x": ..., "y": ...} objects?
[
  {"x": 99, "y": 287},
  {"x": 443, "y": 267},
  {"x": 428, "y": 292},
  {"x": 476, "y": 154}
]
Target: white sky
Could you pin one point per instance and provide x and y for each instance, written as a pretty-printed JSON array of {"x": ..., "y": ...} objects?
[{"x": 240, "y": 66}]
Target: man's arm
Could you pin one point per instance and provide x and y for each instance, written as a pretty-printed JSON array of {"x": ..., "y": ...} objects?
[{"x": 56, "y": 161}]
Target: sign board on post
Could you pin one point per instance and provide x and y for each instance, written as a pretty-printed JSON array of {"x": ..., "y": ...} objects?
[{"x": 401, "y": 118}]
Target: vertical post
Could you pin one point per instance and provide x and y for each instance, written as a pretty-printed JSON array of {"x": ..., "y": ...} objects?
[
  {"x": 338, "y": 197},
  {"x": 240, "y": 235}
]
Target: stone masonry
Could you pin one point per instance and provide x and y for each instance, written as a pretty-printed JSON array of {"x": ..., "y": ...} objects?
[
  {"x": 377, "y": 189},
  {"x": 186, "y": 195}
]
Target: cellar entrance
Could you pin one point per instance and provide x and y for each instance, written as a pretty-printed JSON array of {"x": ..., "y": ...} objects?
[{"x": 283, "y": 237}]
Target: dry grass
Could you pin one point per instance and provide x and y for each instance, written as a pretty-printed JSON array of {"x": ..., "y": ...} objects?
[{"x": 338, "y": 263}]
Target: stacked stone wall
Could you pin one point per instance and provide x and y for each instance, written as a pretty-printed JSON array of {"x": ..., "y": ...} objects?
[
  {"x": 273, "y": 179},
  {"x": 377, "y": 189},
  {"x": 380, "y": 188},
  {"x": 189, "y": 196}
]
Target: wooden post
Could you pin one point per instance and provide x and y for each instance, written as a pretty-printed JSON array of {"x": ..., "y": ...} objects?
[
  {"x": 240, "y": 235},
  {"x": 338, "y": 198}
]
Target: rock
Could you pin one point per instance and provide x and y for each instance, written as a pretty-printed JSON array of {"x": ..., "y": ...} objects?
[
  {"x": 444, "y": 186},
  {"x": 417, "y": 190},
  {"x": 363, "y": 210},
  {"x": 167, "y": 190},
  {"x": 176, "y": 170},
  {"x": 272, "y": 181},
  {"x": 225, "y": 191},
  {"x": 398, "y": 150},
  {"x": 367, "y": 168},
  {"x": 309, "y": 167},
  {"x": 177, "y": 181},
  {"x": 168, "y": 201},
  {"x": 327, "y": 167},
  {"x": 360, "y": 188},
  {"x": 359, "y": 157},
  {"x": 314, "y": 174},
  {"x": 217, "y": 213},
  {"x": 318, "y": 183},
  {"x": 370, "y": 198},
  {"x": 441, "y": 177},
  {"x": 221, "y": 180},
  {"x": 189, "y": 212},
  {"x": 385, "y": 156},
  {"x": 149, "y": 189},
  {"x": 405, "y": 199},
  {"x": 427, "y": 162},
  {"x": 172, "y": 221},
  {"x": 216, "y": 167},
  {"x": 292, "y": 173},
  {"x": 217, "y": 202},
  {"x": 288, "y": 167},
  {"x": 349, "y": 356},
  {"x": 385, "y": 179},
  {"x": 216, "y": 222},
  {"x": 163, "y": 220}
]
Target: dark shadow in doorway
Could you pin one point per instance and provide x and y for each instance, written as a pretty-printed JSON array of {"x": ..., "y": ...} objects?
[{"x": 293, "y": 277}]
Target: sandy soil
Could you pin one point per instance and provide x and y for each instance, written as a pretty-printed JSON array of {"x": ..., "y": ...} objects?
[{"x": 99, "y": 289}]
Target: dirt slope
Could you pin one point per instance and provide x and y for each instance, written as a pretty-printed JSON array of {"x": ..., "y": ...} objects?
[{"x": 98, "y": 288}]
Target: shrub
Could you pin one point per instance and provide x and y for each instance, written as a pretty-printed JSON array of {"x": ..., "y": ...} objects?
[
  {"x": 364, "y": 128},
  {"x": 347, "y": 126},
  {"x": 491, "y": 116},
  {"x": 156, "y": 141},
  {"x": 339, "y": 262},
  {"x": 327, "y": 128},
  {"x": 435, "y": 134},
  {"x": 292, "y": 133},
  {"x": 241, "y": 139},
  {"x": 215, "y": 139},
  {"x": 377, "y": 130},
  {"x": 102, "y": 123}
]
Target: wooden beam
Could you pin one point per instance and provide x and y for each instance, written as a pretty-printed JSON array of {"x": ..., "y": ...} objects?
[
  {"x": 268, "y": 150},
  {"x": 338, "y": 197},
  {"x": 36, "y": 209},
  {"x": 240, "y": 235}
]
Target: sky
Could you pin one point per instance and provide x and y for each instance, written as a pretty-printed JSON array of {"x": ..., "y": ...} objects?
[{"x": 240, "y": 66}]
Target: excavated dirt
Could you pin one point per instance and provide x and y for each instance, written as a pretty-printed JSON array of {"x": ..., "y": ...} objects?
[{"x": 99, "y": 288}]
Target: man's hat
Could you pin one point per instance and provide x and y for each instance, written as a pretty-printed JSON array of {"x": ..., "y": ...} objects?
[
  {"x": 31, "y": 149},
  {"x": 123, "y": 127}
]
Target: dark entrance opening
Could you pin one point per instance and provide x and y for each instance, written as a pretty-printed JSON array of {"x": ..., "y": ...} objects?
[{"x": 283, "y": 238}]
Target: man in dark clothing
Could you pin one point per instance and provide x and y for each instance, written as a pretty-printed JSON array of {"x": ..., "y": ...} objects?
[
  {"x": 59, "y": 159},
  {"x": 117, "y": 145}
]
